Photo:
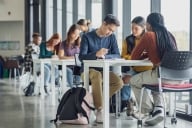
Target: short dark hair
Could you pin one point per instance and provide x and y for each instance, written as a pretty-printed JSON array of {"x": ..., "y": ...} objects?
[
  {"x": 36, "y": 35},
  {"x": 111, "y": 19}
]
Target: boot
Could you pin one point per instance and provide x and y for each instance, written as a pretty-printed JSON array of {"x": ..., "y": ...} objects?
[{"x": 130, "y": 107}]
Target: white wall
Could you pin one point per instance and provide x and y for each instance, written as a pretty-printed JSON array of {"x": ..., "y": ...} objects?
[
  {"x": 15, "y": 7},
  {"x": 12, "y": 31},
  {"x": 12, "y": 26}
]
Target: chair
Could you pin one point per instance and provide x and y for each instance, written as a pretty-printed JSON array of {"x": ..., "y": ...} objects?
[
  {"x": 175, "y": 66},
  {"x": 14, "y": 64}
]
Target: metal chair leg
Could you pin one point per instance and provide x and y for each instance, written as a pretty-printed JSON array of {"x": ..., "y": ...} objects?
[{"x": 139, "y": 121}]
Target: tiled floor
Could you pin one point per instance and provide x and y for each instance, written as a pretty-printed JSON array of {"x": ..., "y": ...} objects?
[{"x": 18, "y": 111}]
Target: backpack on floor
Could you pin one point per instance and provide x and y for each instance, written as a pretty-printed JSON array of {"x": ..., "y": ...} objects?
[
  {"x": 29, "y": 90},
  {"x": 75, "y": 107}
]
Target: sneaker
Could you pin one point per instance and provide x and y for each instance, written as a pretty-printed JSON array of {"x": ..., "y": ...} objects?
[
  {"x": 99, "y": 116},
  {"x": 57, "y": 82},
  {"x": 141, "y": 116},
  {"x": 124, "y": 105},
  {"x": 46, "y": 90},
  {"x": 130, "y": 107},
  {"x": 156, "y": 117}
]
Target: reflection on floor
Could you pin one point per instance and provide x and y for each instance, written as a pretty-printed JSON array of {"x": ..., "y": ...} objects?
[{"x": 18, "y": 111}]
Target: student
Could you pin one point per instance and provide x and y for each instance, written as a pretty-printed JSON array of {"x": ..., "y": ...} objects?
[
  {"x": 85, "y": 26},
  {"x": 154, "y": 44},
  {"x": 138, "y": 29},
  {"x": 68, "y": 48},
  {"x": 101, "y": 43},
  {"x": 48, "y": 50},
  {"x": 32, "y": 51}
]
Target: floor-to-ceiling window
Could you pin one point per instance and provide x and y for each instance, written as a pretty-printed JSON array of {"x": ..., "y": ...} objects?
[
  {"x": 49, "y": 18},
  {"x": 140, "y": 8},
  {"x": 96, "y": 13},
  {"x": 81, "y": 9},
  {"x": 120, "y": 28},
  {"x": 69, "y": 13},
  {"x": 59, "y": 16},
  {"x": 177, "y": 20}
]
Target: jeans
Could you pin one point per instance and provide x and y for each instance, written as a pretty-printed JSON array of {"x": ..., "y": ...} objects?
[
  {"x": 126, "y": 90},
  {"x": 47, "y": 74},
  {"x": 70, "y": 77}
]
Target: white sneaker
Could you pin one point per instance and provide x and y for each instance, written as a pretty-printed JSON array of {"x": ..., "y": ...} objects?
[
  {"x": 142, "y": 116},
  {"x": 99, "y": 116},
  {"x": 156, "y": 117}
]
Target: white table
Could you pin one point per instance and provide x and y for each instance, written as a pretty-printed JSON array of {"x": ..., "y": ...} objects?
[
  {"x": 105, "y": 64},
  {"x": 64, "y": 63},
  {"x": 41, "y": 63}
]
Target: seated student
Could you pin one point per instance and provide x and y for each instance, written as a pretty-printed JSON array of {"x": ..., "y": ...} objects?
[
  {"x": 32, "y": 51},
  {"x": 68, "y": 48},
  {"x": 154, "y": 43},
  {"x": 101, "y": 43},
  {"x": 138, "y": 29},
  {"x": 48, "y": 50},
  {"x": 84, "y": 25}
]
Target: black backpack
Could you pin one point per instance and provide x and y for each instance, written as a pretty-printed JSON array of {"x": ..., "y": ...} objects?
[
  {"x": 75, "y": 106},
  {"x": 29, "y": 90}
]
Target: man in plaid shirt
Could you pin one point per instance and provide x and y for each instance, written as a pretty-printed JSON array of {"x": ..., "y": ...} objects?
[{"x": 32, "y": 51}]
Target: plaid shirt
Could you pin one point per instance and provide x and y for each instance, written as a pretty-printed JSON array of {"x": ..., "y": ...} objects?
[{"x": 31, "y": 51}]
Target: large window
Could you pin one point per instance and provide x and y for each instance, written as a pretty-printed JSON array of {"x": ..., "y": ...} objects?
[
  {"x": 49, "y": 18},
  {"x": 96, "y": 13},
  {"x": 176, "y": 14},
  {"x": 81, "y": 9},
  {"x": 59, "y": 16},
  {"x": 119, "y": 30},
  {"x": 69, "y": 13},
  {"x": 140, "y": 8}
]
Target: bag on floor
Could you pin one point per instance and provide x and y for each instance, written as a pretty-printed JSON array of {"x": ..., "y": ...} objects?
[
  {"x": 29, "y": 90},
  {"x": 75, "y": 107}
]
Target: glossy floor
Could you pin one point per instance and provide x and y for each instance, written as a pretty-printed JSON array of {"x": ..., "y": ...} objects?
[{"x": 18, "y": 111}]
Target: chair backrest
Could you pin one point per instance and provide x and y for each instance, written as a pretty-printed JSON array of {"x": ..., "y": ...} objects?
[{"x": 176, "y": 65}]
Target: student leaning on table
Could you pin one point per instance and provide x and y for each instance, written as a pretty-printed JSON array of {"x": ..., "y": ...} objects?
[
  {"x": 68, "y": 48},
  {"x": 101, "y": 43},
  {"x": 131, "y": 41},
  {"x": 154, "y": 43},
  {"x": 49, "y": 49}
]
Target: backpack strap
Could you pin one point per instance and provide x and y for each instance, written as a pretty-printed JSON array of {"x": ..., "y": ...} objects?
[
  {"x": 90, "y": 107},
  {"x": 54, "y": 120},
  {"x": 80, "y": 94}
]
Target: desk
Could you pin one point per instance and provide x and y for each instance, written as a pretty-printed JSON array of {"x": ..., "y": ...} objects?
[
  {"x": 53, "y": 62},
  {"x": 64, "y": 63},
  {"x": 41, "y": 63},
  {"x": 105, "y": 64}
]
